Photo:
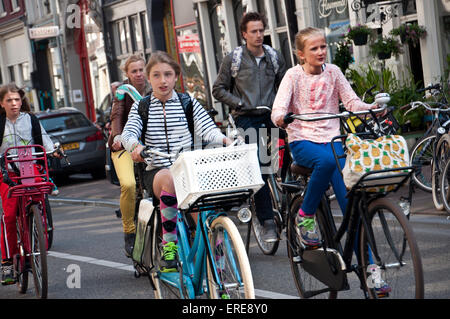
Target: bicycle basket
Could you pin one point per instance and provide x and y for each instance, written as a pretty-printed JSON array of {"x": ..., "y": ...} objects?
[
  {"x": 215, "y": 170},
  {"x": 364, "y": 156}
]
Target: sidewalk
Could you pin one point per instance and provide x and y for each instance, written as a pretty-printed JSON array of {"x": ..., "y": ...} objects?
[{"x": 103, "y": 193}]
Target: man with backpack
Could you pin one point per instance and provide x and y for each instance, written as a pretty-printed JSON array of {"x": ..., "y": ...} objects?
[{"x": 249, "y": 77}]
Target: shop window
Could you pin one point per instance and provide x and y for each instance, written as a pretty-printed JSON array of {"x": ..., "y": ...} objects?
[
  {"x": 120, "y": 37},
  {"x": 145, "y": 30},
  {"x": 279, "y": 14},
  {"x": 238, "y": 12},
  {"x": 260, "y": 4},
  {"x": 191, "y": 62},
  {"x": 334, "y": 20},
  {"x": 219, "y": 30},
  {"x": 136, "y": 34},
  {"x": 15, "y": 5},
  {"x": 2, "y": 9},
  {"x": 24, "y": 71},
  {"x": 12, "y": 76}
]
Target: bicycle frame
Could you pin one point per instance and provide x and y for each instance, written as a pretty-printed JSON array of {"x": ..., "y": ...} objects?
[
  {"x": 29, "y": 192},
  {"x": 194, "y": 257}
]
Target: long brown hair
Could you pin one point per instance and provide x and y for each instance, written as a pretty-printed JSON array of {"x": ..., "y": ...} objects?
[
  {"x": 13, "y": 88},
  {"x": 162, "y": 57}
]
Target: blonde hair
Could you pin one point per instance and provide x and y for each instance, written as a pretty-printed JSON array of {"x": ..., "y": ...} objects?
[
  {"x": 133, "y": 58},
  {"x": 302, "y": 36},
  {"x": 162, "y": 57}
]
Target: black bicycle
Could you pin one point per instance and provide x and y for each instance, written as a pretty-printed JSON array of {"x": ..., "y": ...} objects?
[{"x": 386, "y": 253}]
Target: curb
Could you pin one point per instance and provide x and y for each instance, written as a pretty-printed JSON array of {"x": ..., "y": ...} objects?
[{"x": 84, "y": 202}]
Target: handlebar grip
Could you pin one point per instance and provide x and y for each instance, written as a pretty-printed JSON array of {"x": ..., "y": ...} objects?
[{"x": 288, "y": 119}]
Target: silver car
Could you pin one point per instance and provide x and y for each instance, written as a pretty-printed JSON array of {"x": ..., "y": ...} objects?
[{"x": 81, "y": 140}]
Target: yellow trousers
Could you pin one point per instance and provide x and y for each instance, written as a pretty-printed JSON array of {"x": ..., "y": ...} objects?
[{"x": 124, "y": 167}]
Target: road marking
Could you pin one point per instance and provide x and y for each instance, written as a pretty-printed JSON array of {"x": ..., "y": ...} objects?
[{"x": 121, "y": 266}]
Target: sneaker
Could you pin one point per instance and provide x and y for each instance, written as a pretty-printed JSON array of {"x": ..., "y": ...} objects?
[
  {"x": 306, "y": 230},
  {"x": 129, "y": 244},
  {"x": 269, "y": 231},
  {"x": 168, "y": 262},
  {"x": 383, "y": 290},
  {"x": 8, "y": 274}
]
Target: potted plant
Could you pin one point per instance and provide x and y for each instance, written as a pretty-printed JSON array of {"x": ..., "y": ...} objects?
[
  {"x": 410, "y": 33},
  {"x": 359, "y": 34},
  {"x": 343, "y": 56},
  {"x": 384, "y": 47}
]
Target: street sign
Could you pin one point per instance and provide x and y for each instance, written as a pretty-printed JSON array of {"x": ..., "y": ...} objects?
[{"x": 44, "y": 32}]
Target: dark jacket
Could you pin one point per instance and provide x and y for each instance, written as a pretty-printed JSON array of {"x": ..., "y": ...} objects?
[
  {"x": 253, "y": 86},
  {"x": 119, "y": 112}
]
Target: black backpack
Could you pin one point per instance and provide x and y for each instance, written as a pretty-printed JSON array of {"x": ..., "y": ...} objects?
[{"x": 188, "y": 108}]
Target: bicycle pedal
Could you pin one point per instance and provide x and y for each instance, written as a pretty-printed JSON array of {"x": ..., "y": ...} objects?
[
  {"x": 313, "y": 247},
  {"x": 382, "y": 295},
  {"x": 297, "y": 259}
]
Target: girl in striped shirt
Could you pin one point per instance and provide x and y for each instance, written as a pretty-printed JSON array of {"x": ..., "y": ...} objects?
[{"x": 167, "y": 130}]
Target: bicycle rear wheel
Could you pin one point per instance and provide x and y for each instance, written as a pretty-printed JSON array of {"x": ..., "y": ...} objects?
[
  {"x": 400, "y": 265},
  {"x": 231, "y": 262},
  {"x": 163, "y": 289},
  {"x": 20, "y": 265},
  {"x": 422, "y": 157},
  {"x": 38, "y": 252},
  {"x": 307, "y": 285},
  {"x": 445, "y": 186},
  {"x": 442, "y": 155}
]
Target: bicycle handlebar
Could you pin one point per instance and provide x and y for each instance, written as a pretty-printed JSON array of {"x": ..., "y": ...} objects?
[
  {"x": 436, "y": 86},
  {"x": 416, "y": 104},
  {"x": 328, "y": 116}
]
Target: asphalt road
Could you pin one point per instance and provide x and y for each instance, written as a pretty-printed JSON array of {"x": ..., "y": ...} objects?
[{"x": 87, "y": 259}]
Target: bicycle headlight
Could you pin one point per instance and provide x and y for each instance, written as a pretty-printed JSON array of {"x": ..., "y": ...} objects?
[{"x": 244, "y": 215}]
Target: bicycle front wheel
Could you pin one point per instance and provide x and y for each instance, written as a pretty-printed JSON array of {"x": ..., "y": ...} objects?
[
  {"x": 422, "y": 157},
  {"x": 400, "y": 265},
  {"x": 232, "y": 276},
  {"x": 38, "y": 252},
  {"x": 445, "y": 186},
  {"x": 307, "y": 285},
  {"x": 442, "y": 155}
]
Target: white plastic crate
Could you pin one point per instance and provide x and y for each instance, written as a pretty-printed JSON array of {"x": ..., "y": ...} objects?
[{"x": 215, "y": 170}]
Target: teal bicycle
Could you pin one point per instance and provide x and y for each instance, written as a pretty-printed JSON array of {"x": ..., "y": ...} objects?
[{"x": 212, "y": 260}]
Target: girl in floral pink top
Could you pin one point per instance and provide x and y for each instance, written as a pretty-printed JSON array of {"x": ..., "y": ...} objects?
[{"x": 313, "y": 86}]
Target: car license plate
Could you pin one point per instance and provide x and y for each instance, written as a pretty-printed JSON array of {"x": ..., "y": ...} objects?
[{"x": 71, "y": 146}]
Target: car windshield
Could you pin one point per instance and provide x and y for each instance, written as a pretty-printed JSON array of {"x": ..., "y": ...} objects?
[{"x": 64, "y": 122}]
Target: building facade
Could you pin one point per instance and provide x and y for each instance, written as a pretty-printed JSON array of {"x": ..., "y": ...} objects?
[
  {"x": 15, "y": 51},
  {"x": 218, "y": 29}
]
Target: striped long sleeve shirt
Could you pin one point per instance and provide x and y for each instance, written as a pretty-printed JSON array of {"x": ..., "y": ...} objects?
[{"x": 167, "y": 127}]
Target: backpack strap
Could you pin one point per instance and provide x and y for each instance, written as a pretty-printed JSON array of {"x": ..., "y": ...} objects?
[
  {"x": 237, "y": 59},
  {"x": 2, "y": 127},
  {"x": 36, "y": 132},
  {"x": 188, "y": 108},
  {"x": 143, "y": 113}
]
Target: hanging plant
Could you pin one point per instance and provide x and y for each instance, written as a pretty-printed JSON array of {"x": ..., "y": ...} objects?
[
  {"x": 343, "y": 56},
  {"x": 359, "y": 34},
  {"x": 384, "y": 47},
  {"x": 410, "y": 33}
]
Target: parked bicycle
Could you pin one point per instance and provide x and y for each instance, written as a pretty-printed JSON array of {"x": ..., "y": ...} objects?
[
  {"x": 387, "y": 251},
  {"x": 423, "y": 151},
  {"x": 430, "y": 153},
  {"x": 32, "y": 233}
]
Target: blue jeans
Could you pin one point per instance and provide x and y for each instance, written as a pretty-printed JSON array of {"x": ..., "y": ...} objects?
[{"x": 319, "y": 157}]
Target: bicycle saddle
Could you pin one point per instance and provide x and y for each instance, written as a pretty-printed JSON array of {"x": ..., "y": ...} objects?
[{"x": 300, "y": 170}]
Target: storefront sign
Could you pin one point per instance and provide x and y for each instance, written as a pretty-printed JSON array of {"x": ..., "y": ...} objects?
[
  {"x": 188, "y": 43},
  {"x": 44, "y": 32},
  {"x": 326, "y": 7}
]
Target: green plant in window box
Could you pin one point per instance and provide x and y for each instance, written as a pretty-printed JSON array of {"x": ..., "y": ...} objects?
[
  {"x": 384, "y": 47},
  {"x": 359, "y": 34},
  {"x": 410, "y": 33}
]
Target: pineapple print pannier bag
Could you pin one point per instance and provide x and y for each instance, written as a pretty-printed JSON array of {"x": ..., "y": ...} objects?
[{"x": 367, "y": 155}]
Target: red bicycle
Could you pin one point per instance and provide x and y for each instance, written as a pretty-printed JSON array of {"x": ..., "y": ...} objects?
[{"x": 29, "y": 186}]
